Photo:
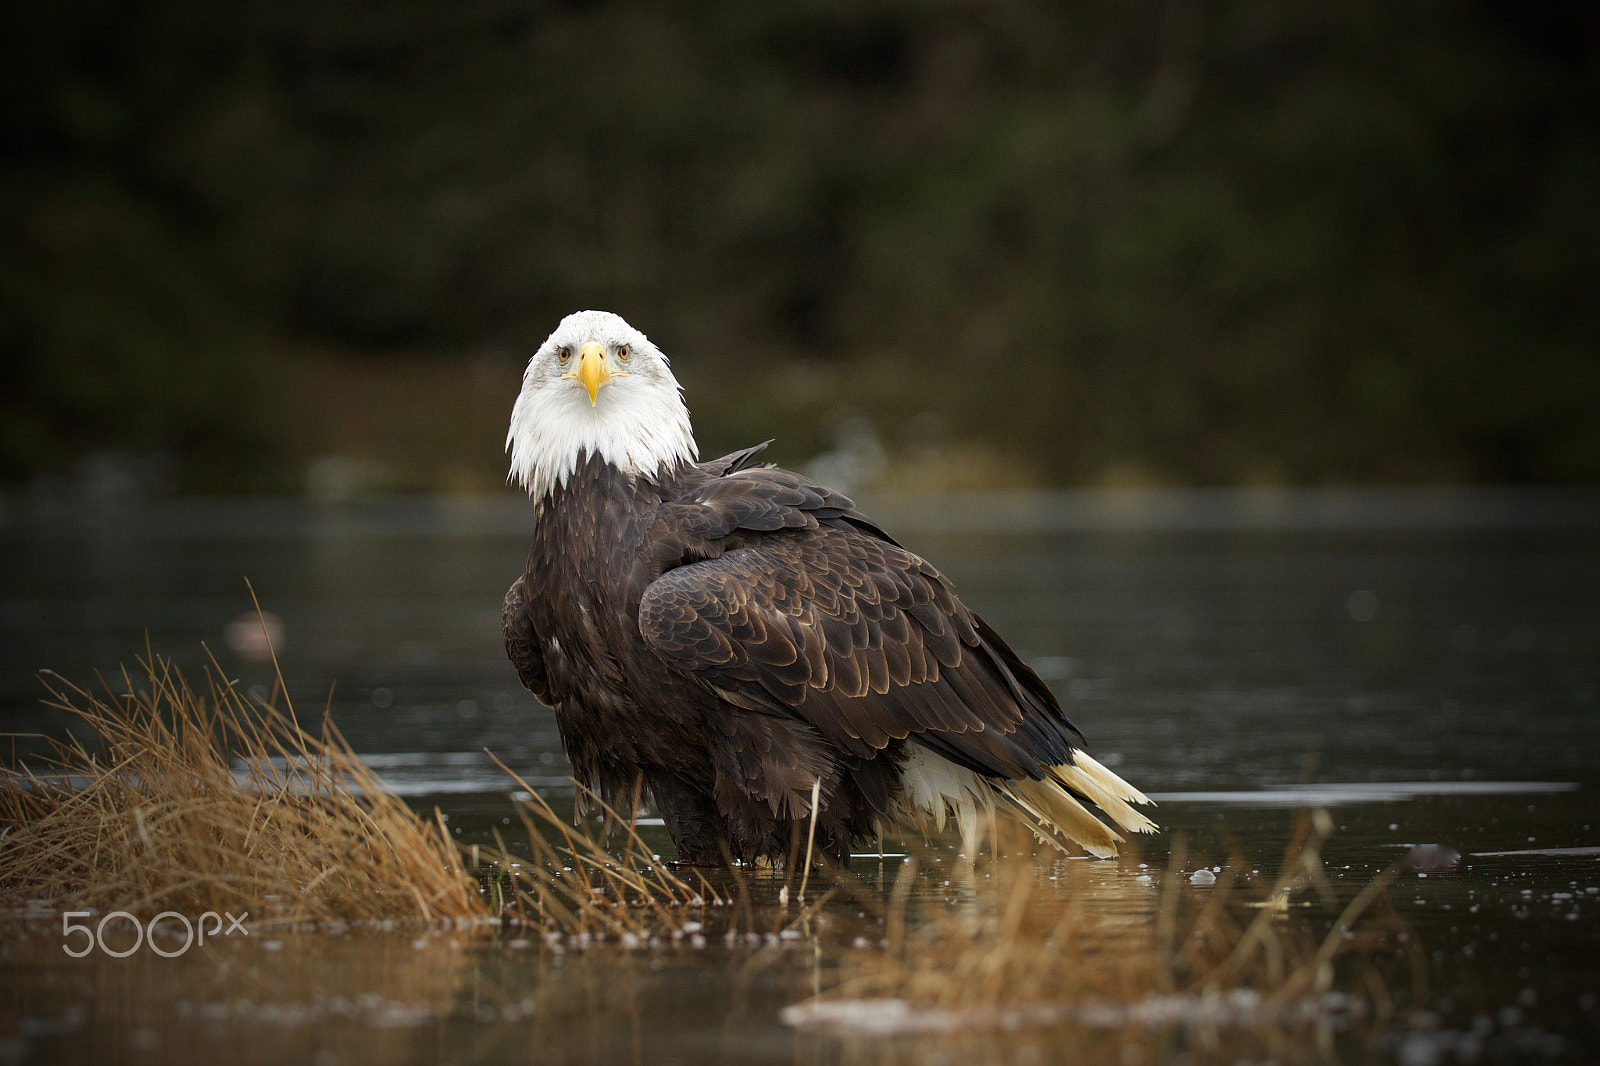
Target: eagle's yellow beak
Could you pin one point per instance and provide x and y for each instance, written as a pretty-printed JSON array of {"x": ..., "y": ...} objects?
[{"x": 593, "y": 370}]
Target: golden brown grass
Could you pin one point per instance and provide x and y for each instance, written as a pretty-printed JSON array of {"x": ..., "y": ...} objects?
[
  {"x": 577, "y": 884},
  {"x": 207, "y": 801},
  {"x": 1073, "y": 943}
]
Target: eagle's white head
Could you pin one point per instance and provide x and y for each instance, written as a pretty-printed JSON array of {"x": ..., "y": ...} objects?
[{"x": 596, "y": 386}]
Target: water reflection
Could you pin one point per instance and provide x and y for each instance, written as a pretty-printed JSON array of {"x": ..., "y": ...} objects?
[{"x": 379, "y": 993}]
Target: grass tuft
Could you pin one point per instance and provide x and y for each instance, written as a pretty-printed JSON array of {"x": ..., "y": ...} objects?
[
  {"x": 1061, "y": 944},
  {"x": 208, "y": 800}
]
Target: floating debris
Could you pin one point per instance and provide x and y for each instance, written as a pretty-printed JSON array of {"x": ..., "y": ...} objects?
[
  {"x": 1430, "y": 858},
  {"x": 1558, "y": 853},
  {"x": 1241, "y": 1008}
]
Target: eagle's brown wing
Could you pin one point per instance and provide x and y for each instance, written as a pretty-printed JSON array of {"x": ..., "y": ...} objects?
[
  {"x": 522, "y": 643},
  {"x": 789, "y": 601}
]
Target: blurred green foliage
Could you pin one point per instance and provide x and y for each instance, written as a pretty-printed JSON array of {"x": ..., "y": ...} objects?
[{"x": 1175, "y": 242}]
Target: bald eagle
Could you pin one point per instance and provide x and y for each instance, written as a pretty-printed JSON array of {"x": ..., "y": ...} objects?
[{"x": 732, "y": 640}]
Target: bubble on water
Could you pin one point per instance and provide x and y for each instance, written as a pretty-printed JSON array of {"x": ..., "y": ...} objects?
[
  {"x": 1203, "y": 878},
  {"x": 1362, "y": 605}
]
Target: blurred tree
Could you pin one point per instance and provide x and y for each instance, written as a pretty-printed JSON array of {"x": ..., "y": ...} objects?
[
  {"x": 1164, "y": 241},
  {"x": 136, "y": 156}
]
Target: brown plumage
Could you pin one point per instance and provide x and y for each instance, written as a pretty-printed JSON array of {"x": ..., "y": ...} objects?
[{"x": 735, "y": 635}]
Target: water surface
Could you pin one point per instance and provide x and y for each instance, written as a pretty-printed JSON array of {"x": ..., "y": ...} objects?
[{"x": 1425, "y": 665}]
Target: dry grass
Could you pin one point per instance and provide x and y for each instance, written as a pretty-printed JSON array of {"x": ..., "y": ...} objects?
[
  {"x": 576, "y": 884},
  {"x": 207, "y": 801},
  {"x": 1051, "y": 944}
]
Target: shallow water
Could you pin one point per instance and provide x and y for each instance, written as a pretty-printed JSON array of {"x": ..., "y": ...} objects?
[{"x": 1426, "y": 666}]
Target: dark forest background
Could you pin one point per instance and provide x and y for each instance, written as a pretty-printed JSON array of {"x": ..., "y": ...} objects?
[{"x": 279, "y": 245}]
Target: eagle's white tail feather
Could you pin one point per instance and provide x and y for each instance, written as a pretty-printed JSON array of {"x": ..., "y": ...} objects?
[
  {"x": 936, "y": 789},
  {"x": 1114, "y": 784},
  {"x": 1054, "y": 808},
  {"x": 1106, "y": 790}
]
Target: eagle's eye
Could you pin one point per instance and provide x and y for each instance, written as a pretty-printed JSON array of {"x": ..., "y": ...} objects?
[
  {"x": 565, "y": 353},
  {"x": 623, "y": 352}
]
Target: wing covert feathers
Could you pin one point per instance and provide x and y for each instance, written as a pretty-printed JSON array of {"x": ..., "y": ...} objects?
[{"x": 780, "y": 598}]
